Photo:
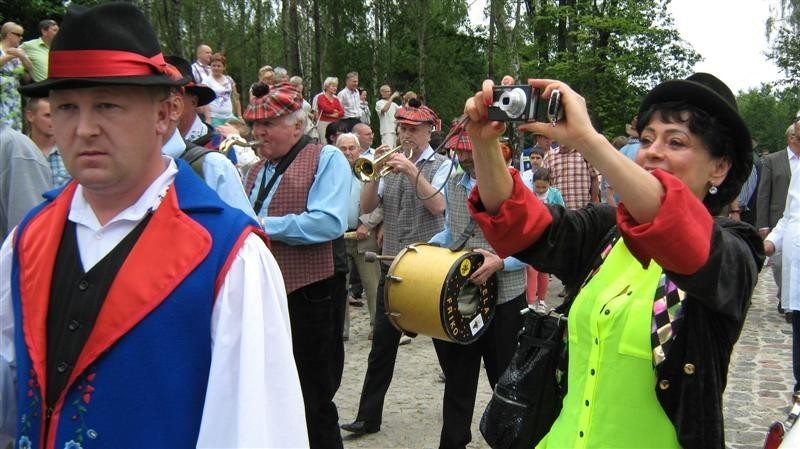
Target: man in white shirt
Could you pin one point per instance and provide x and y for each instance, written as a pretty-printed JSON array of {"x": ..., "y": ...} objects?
[
  {"x": 387, "y": 108},
  {"x": 350, "y": 98},
  {"x": 129, "y": 300}
]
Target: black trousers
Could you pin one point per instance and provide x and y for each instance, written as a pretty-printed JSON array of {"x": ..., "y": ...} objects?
[
  {"x": 462, "y": 363},
  {"x": 316, "y": 313},
  {"x": 380, "y": 364},
  {"x": 796, "y": 348}
]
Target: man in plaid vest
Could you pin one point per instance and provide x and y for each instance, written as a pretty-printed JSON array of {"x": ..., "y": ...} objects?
[
  {"x": 300, "y": 192},
  {"x": 418, "y": 173}
]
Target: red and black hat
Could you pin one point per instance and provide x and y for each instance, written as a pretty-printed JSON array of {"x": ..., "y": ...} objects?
[
  {"x": 109, "y": 44},
  {"x": 282, "y": 99},
  {"x": 460, "y": 138},
  {"x": 411, "y": 115},
  {"x": 205, "y": 94}
]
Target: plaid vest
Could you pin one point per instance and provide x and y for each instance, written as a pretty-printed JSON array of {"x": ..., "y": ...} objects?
[
  {"x": 510, "y": 284},
  {"x": 406, "y": 219},
  {"x": 301, "y": 265}
]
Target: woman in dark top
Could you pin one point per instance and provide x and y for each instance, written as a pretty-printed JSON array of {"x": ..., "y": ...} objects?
[{"x": 651, "y": 331}]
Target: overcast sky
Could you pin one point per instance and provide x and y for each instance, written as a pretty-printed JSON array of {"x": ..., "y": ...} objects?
[{"x": 729, "y": 34}]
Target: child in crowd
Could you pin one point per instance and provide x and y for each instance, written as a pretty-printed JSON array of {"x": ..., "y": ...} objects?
[{"x": 538, "y": 281}]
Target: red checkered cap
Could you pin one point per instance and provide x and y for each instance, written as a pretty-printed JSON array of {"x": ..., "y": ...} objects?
[
  {"x": 282, "y": 99},
  {"x": 415, "y": 116},
  {"x": 460, "y": 141}
]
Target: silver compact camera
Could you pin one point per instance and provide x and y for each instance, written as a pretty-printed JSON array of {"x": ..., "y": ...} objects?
[
  {"x": 518, "y": 103},
  {"x": 521, "y": 103}
]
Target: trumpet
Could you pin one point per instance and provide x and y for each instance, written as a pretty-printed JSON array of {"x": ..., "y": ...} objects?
[
  {"x": 232, "y": 140},
  {"x": 366, "y": 169}
]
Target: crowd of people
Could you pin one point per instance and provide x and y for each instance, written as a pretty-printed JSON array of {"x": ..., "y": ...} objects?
[{"x": 150, "y": 207}]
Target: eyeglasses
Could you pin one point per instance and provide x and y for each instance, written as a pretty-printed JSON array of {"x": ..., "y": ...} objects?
[{"x": 19, "y": 35}]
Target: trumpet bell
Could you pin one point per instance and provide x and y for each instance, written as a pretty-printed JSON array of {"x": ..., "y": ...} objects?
[
  {"x": 366, "y": 169},
  {"x": 232, "y": 140}
]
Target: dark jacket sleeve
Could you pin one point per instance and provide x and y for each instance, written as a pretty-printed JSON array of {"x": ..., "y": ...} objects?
[{"x": 764, "y": 194}]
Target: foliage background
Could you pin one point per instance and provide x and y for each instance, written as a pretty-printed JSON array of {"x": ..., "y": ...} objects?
[{"x": 611, "y": 51}]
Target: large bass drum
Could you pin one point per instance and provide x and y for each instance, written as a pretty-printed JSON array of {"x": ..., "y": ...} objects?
[{"x": 428, "y": 292}]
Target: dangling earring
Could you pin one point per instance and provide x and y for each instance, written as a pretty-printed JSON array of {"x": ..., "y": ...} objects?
[{"x": 713, "y": 189}]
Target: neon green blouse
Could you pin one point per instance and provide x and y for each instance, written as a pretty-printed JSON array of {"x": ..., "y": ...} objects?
[{"x": 611, "y": 400}]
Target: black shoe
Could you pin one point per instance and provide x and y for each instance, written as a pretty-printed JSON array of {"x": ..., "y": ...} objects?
[{"x": 360, "y": 428}]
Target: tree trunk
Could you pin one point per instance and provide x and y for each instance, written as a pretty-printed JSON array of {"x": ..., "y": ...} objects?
[
  {"x": 491, "y": 44},
  {"x": 293, "y": 44}
]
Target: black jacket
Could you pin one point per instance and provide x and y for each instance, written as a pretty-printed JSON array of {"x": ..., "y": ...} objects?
[{"x": 692, "y": 378}]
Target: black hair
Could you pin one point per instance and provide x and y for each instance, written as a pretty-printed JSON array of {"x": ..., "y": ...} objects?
[
  {"x": 334, "y": 128},
  {"x": 259, "y": 89},
  {"x": 541, "y": 174},
  {"x": 716, "y": 136},
  {"x": 539, "y": 151},
  {"x": 414, "y": 103}
]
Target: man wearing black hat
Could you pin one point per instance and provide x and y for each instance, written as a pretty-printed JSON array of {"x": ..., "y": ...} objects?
[
  {"x": 407, "y": 220},
  {"x": 131, "y": 295},
  {"x": 300, "y": 191}
]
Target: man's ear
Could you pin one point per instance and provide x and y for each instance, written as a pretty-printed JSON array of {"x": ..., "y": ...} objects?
[{"x": 165, "y": 109}]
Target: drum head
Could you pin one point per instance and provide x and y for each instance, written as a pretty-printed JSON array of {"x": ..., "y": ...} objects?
[{"x": 466, "y": 308}]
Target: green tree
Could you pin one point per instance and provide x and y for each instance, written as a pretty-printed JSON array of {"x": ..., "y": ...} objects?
[{"x": 767, "y": 112}]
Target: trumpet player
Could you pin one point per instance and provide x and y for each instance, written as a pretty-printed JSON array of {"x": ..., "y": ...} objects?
[
  {"x": 407, "y": 219},
  {"x": 300, "y": 191}
]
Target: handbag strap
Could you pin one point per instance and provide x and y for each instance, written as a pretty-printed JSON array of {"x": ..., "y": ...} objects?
[{"x": 595, "y": 261}]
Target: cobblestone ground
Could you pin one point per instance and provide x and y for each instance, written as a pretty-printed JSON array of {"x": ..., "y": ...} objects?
[{"x": 758, "y": 393}]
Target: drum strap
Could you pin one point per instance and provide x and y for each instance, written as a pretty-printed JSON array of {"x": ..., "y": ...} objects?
[{"x": 459, "y": 243}]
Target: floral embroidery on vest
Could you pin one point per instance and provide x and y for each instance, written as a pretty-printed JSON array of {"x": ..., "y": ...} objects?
[
  {"x": 84, "y": 386},
  {"x": 33, "y": 410}
]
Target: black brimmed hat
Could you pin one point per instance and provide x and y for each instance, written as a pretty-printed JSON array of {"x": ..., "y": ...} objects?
[
  {"x": 205, "y": 94},
  {"x": 109, "y": 44},
  {"x": 708, "y": 93}
]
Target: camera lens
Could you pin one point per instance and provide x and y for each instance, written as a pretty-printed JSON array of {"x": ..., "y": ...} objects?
[{"x": 513, "y": 102}]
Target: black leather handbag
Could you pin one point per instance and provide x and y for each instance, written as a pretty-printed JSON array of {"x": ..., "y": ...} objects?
[{"x": 527, "y": 397}]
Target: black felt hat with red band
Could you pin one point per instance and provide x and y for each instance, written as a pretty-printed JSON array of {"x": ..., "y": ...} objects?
[
  {"x": 205, "y": 94},
  {"x": 109, "y": 44}
]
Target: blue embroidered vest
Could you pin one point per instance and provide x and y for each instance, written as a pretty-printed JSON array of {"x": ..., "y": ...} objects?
[{"x": 140, "y": 379}]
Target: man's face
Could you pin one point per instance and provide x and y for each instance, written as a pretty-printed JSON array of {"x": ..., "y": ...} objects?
[
  {"x": 365, "y": 136},
  {"x": 386, "y": 92},
  {"x": 277, "y": 136},
  {"x": 110, "y": 137},
  {"x": 204, "y": 54},
  {"x": 465, "y": 161},
  {"x": 50, "y": 33},
  {"x": 188, "y": 115},
  {"x": 352, "y": 83},
  {"x": 416, "y": 137},
  {"x": 40, "y": 119},
  {"x": 536, "y": 160},
  {"x": 351, "y": 150},
  {"x": 543, "y": 142}
]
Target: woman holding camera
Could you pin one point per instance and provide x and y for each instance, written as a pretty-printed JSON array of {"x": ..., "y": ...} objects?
[{"x": 651, "y": 330}]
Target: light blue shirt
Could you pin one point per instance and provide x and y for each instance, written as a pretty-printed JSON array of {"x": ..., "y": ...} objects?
[
  {"x": 631, "y": 148},
  {"x": 219, "y": 173},
  {"x": 439, "y": 178},
  {"x": 444, "y": 238},
  {"x": 325, "y": 216}
]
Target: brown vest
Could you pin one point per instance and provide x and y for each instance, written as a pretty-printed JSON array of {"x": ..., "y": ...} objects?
[{"x": 301, "y": 265}]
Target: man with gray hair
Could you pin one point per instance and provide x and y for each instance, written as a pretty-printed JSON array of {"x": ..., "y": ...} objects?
[
  {"x": 387, "y": 108},
  {"x": 777, "y": 170},
  {"x": 350, "y": 98},
  {"x": 300, "y": 193}
]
